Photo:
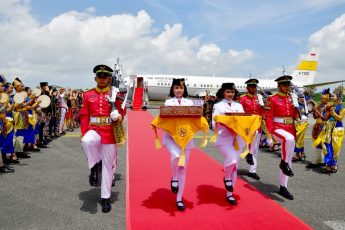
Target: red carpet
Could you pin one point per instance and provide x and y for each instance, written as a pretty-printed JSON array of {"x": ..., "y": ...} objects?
[
  {"x": 151, "y": 204},
  {"x": 138, "y": 98}
]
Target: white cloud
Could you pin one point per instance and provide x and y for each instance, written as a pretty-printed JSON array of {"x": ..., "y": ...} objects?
[
  {"x": 208, "y": 52},
  {"x": 331, "y": 41},
  {"x": 65, "y": 50}
]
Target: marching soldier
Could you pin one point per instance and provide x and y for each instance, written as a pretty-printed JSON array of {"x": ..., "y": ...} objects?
[
  {"x": 280, "y": 124},
  {"x": 178, "y": 92},
  {"x": 98, "y": 138},
  {"x": 251, "y": 105},
  {"x": 226, "y": 138}
]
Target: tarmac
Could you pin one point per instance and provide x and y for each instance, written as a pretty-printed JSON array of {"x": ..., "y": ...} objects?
[{"x": 51, "y": 190}]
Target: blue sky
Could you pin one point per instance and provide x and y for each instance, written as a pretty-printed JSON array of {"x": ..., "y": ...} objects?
[{"x": 266, "y": 34}]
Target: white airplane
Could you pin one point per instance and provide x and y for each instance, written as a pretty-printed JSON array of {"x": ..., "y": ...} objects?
[{"x": 157, "y": 87}]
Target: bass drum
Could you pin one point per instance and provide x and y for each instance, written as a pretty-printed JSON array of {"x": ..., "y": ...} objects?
[
  {"x": 45, "y": 101},
  {"x": 3, "y": 98},
  {"x": 19, "y": 98},
  {"x": 37, "y": 92},
  {"x": 311, "y": 105}
]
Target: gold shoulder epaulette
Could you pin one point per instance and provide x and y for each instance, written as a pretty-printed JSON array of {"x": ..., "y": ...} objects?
[{"x": 89, "y": 90}]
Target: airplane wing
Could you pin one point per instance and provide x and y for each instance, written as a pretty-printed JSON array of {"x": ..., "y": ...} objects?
[{"x": 323, "y": 83}]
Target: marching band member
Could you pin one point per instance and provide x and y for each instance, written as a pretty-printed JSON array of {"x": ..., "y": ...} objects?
[
  {"x": 332, "y": 134},
  {"x": 3, "y": 128},
  {"x": 8, "y": 147},
  {"x": 280, "y": 124},
  {"x": 21, "y": 120},
  {"x": 178, "y": 92},
  {"x": 29, "y": 136},
  {"x": 226, "y": 137},
  {"x": 250, "y": 104},
  {"x": 98, "y": 138},
  {"x": 318, "y": 115}
]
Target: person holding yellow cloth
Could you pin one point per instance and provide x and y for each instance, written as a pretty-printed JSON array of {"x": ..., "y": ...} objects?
[
  {"x": 178, "y": 92},
  {"x": 227, "y": 138}
]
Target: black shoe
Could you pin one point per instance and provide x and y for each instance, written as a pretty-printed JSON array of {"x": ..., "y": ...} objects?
[
  {"x": 254, "y": 176},
  {"x": 227, "y": 187},
  {"x": 4, "y": 169},
  {"x": 174, "y": 189},
  {"x": 106, "y": 206},
  {"x": 285, "y": 193},
  {"x": 7, "y": 160},
  {"x": 231, "y": 200},
  {"x": 312, "y": 166},
  {"x": 285, "y": 168},
  {"x": 23, "y": 155},
  {"x": 249, "y": 159},
  {"x": 93, "y": 178},
  {"x": 180, "y": 205},
  {"x": 42, "y": 146}
]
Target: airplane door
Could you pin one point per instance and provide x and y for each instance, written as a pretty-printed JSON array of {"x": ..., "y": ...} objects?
[{"x": 140, "y": 82}]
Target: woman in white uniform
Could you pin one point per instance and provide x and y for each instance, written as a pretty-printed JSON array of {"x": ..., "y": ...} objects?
[
  {"x": 226, "y": 137},
  {"x": 178, "y": 92}
]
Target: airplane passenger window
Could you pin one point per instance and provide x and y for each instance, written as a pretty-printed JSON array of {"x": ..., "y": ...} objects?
[{"x": 194, "y": 85}]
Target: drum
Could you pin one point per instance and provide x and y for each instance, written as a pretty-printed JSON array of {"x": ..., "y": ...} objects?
[
  {"x": 45, "y": 101},
  {"x": 3, "y": 98},
  {"x": 37, "y": 92},
  {"x": 19, "y": 98}
]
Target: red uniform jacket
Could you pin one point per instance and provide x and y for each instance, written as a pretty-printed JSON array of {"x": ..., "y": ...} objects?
[
  {"x": 95, "y": 104},
  {"x": 251, "y": 104},
  {"x": 281, "y": 106}
]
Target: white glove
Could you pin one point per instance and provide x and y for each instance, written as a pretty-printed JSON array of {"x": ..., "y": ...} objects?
[
  {"x": 115, "y": 115},
  {"x": 269, "y": 141},
  {"x": 304, "y": 118}
]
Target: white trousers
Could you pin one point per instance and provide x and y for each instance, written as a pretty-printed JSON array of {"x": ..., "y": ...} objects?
[
  {"x": 254, "y": 150},
  {"x": 287, "y": 141},
  {"x": 62, "y": 119},
  {"x": 231, "y": 156},
  {"x": 96, "y": 151},
  {"x": 175, "y": 151}
]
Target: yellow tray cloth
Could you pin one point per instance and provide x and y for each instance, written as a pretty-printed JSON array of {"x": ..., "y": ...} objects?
[
  {"x": 182, "y": 130},
  {"x": 301, "y": 128},
  {"x": 244, "y": 126},
  {"x": 328, "y": 133}
]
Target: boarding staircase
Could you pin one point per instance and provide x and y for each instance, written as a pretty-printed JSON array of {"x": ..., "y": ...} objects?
[{"x": 138, "y": 98}]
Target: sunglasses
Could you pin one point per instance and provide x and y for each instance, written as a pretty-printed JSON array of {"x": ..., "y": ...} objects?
[{"x": 285, "y": 83}]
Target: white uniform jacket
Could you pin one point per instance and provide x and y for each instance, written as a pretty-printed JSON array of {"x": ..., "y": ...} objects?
[
  {"x": 167, "y": 139},
  {"x": 222, "y": 107}
]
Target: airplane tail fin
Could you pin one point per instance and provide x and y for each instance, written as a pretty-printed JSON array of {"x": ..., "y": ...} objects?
[{"x": 305, "y": 71}]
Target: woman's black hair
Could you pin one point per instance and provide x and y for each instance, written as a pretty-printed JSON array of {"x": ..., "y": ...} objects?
[
  {"x": 225, "y": 86},
  {"x": 179, "y": 82}
]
